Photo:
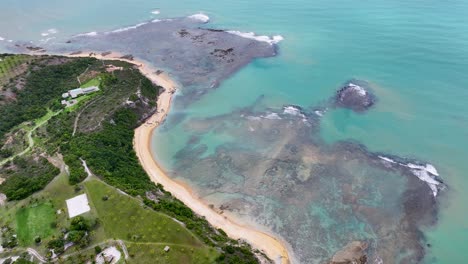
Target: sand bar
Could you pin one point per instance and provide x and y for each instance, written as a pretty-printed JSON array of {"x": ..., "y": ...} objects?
[{"x": 271, "y": 246}]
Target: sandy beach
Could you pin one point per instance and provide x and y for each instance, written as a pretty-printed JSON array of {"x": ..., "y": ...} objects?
[{"x": 270, "y": 245}]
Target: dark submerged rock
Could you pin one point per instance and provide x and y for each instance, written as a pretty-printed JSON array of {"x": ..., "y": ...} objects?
[
  {"x": 355, "y": 95},
  {"x": 353, "y": 253}
]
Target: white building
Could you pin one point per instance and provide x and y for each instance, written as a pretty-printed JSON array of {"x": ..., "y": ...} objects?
[
  {"x": 78, "y": 205},
  {"x": 79, "y": 91}
]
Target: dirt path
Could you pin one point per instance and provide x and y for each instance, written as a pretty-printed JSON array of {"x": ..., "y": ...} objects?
[
  {"x": 30, "y": 138},
  {"x": 36, "y": 254}
]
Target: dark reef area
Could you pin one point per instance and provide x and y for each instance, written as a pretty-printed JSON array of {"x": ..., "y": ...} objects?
[{"x": 327, "y": 196}]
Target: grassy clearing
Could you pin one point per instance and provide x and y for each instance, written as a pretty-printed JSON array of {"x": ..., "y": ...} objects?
[
  {"x": 93, "y": 82},
  {"x": 155, "y": 254},
  {"x": 144, "y": 231},
  {"x": 34, "y": 221},
  {"x": 124, "y": 217}
]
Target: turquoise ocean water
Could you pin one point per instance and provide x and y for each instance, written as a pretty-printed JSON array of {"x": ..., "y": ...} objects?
[{"x": 413, "y": 53}]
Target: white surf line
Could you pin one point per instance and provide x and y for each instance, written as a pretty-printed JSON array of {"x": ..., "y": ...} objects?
[
  {"x": 425, "y": 173},
  {"x": 251, "y": 35}
]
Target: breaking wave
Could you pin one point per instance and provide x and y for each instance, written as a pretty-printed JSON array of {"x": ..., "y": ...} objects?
[
  {"x": 200, "y": 17},
  {"x": 426, "y": 173},
  {"x": 251, "y": 35}
]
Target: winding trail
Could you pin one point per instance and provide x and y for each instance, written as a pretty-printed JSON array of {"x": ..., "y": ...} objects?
[
  {"x": 47, "y": 117},
  {"x": 36, "y": 254}
]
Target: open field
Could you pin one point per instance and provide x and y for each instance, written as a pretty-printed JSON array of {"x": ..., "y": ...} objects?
[
  {"x": 34, "y": 221},
  {"x": 153, "y": 253},
  {"x": 124, "y": 217},
  {"x": 93, "y": 82},
  {"x": 147, "y": 232}
]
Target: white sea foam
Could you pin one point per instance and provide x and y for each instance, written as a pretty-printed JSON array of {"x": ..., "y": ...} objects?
[
  {"x": 156, "y": 12},
  {"x": 89, "y": 34},
  {"x": 272, "y": 116},
  {"x": 10, "y": 40},
  {"x": 252, "y": 35},
  {"x": 200, "y": 17},
  {"x": 254, "y": 118},
  {"x": 357, "y": 88},
  {"x": 1, "y": 39},
  {"x": 291, "y": 110},
  {"x": 425, "y": 173},
  {"x": 424, "y": 176},
  {"x": 128, "y": 28},
  {"x": 387, "y": 159},
  {"x": 46, "y": 39},
  {"x": 319, "y": 113},
  {"x": 429, "y": 168},
  {"x": 49, "y": 32}
]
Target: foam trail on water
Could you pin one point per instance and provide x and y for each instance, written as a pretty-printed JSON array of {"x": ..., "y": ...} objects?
[
  {"x": 1, "y": 39},
  {"x": 251, "y": 35},
  {"x": 155, "y": 12}
]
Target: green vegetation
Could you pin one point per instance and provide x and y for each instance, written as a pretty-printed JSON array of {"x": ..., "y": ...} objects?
[
  {"x": 154, "y": 253},
  {"x": 34, "y": 221},
  {"x": 93, "y": 82},
  {"x": 42, "y": 90},
  {"x": 26, "y": 176},
  {"x": 233, "y": 250},
  {"x": 99, "y": 129},
  {"x": 12, "y": 66},
  {"x": 135, "y": 223},
  {"x": 109, "y": 153}
]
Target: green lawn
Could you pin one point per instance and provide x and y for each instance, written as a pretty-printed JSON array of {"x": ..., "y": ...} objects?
[
  {"x": 143, "y": 253},
  {"x": 146, "y": 232},
  {"x": 34, "y": 221},
  {"x": 124, "y": 217},
  {"x": 93, "y": 82}
]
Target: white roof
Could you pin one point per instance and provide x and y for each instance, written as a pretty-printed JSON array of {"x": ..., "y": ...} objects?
[
  {"x": 91, "y": 88},
  {"x": 78, "y": 205}
]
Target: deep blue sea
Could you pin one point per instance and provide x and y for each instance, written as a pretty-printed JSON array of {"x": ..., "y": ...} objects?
[{"x": 414, "y": 56}]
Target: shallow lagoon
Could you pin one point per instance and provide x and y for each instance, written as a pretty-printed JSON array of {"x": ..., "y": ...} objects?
[{"x": 413, "y": 53}]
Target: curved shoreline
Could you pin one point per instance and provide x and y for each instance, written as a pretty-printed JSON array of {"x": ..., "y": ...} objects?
[{"x": 271, "y": 246}]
